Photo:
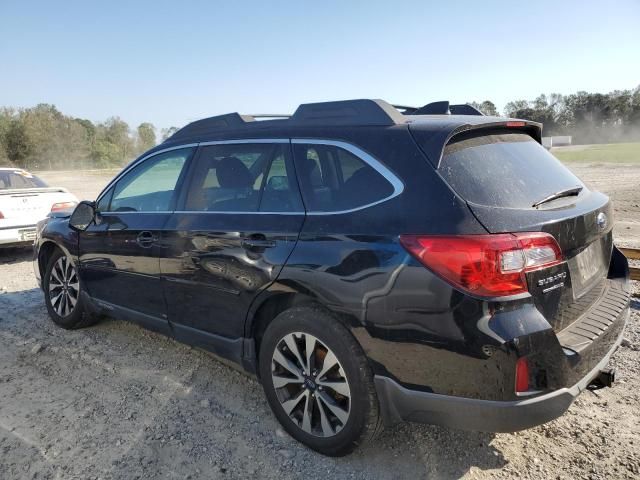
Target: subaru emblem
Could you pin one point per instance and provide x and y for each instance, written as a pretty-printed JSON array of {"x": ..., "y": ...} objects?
[{"x": 601, "y": 221}]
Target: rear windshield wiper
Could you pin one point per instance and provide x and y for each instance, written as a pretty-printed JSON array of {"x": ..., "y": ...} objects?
[{"x": 567, "y": 192}]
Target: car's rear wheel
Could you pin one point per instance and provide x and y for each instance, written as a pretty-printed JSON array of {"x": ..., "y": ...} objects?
[
  {"x": 62, "y": 292},
  {"x": 318, "y": 382}
]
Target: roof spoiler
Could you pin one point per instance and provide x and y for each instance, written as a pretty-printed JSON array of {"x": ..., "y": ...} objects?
[{"x": 433, "y": 146}]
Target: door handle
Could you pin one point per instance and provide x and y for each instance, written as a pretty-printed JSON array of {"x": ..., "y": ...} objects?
[
  {"x": 258, "y": 241},
  {"x": 146, "y": 239}
]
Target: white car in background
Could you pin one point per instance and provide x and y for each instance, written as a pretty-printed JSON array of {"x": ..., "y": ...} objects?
[{"x": 24, "y": 201}]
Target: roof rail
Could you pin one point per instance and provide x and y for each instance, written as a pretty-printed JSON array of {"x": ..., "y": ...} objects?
[
  {"x": 206, "y": 125},
  {"x": 464, "y": 109},
  {"x": 348, "y": 112},
  {"x": 361, "y": 112},
  {"x": 271, "y": 115},
  {"x": 405, "y": 109},
  {"x": 444, "y": 108}
]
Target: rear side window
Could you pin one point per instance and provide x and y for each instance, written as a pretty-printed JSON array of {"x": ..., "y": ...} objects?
[
  {"x": 243, "y": 177},
  {"x": 503, "y": 170},
  {"x": 10, "y": 179},
  {"x": 281, "y": 192},
  {"x": 334, "y": 179}
]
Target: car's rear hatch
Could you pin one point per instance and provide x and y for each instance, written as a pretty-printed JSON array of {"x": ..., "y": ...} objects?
[
  {"x": 512, "y": 184},
  {"x": 26, "y": 206}
]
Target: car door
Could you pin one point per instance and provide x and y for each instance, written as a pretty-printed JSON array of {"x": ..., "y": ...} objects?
[
  {"x": 119, "y": 251},
  {"x": 239, "y": 218}
]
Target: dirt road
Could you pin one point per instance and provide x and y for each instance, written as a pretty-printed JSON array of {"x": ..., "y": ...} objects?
[{"x": 117, "y": 402}]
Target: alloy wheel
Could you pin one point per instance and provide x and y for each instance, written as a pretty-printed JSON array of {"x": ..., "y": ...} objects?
[
  {"x": 311, "y": 384},
  {"x": 64, "y": 287}
]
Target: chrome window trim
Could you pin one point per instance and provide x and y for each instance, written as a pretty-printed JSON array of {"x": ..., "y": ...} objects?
[
  {"x": 211, "y": 212},
  {"x": 245, "y": 140},
  {"x": 129, "y": 212},
  {"x": 396, "y": 183},
  {"x": 135, "y": 164},
  {"x": 195, "y": 212}
]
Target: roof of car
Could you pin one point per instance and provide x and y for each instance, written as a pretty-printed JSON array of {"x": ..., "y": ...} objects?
[{"x": 436, "y": 116}]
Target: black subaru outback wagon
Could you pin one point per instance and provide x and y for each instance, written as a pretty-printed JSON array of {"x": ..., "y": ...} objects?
[{"x": 368, "y": 263}]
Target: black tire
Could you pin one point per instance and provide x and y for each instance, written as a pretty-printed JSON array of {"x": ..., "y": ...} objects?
[
  {"x": 363, "y": 421},
  {"x": 67, "y": 316}
]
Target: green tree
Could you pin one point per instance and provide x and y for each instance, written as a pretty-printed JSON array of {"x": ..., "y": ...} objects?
[
  {"x": 489, "y": 108},
  {"x": 167, "y": 132},
  {"x": 18, "y": 147},
  {"x": 89, "y": 127},
  {"x": 116, "y": 132},
  {"x": 6, "y": 115},
  {"x": 105, "y": 154},
  {"x": 40, "y": 123},
  {"x": 512, "y": 107},
  {"x": 146, "y": 137}
]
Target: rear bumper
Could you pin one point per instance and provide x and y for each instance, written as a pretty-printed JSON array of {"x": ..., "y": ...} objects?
[
  {"x": 20, "y": 235},
  {"x": 399, "y": 403}
]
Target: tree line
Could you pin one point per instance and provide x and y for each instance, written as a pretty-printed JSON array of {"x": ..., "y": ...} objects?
[
  {"x": 587, "y": 117},
  {"x": 42, "y": 137}
]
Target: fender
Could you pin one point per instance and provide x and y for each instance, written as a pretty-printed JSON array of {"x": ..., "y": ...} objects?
[{"x": 55, "y": 231}]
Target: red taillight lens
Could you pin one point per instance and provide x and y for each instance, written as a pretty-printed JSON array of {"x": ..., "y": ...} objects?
[
  {"x": 56, "y": 207},
  {"x": 1, "y": 216},
  {"x": 522, "y": 375},
  {"x": 485, "y": 265}
]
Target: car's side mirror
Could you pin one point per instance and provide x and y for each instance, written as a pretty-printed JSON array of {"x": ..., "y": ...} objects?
[{"x": 82, "y": 216}]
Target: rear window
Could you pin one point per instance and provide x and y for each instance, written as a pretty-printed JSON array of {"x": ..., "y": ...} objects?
[
  {"x": 10, "y": 179},
  {"x": 503, "y": 170}
]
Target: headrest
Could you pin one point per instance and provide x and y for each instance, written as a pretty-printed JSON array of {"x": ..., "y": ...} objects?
[{"x": 232, "y": 173}]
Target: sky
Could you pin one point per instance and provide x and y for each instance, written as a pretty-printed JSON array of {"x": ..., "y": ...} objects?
[{"x": 173, "y": 62}]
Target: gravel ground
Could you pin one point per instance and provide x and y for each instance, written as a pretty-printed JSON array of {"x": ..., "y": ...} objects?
[{"x": 117, "y": 402}]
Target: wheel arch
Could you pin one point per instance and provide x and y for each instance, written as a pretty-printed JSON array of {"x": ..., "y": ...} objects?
[
  {"x": 262, "y": 314},
  {"x": 271, "y": 306},
  {"x": 45, "y": 251}
]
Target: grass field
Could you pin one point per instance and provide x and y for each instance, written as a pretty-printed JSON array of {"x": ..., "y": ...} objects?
[{"x": 628, "y": 153}]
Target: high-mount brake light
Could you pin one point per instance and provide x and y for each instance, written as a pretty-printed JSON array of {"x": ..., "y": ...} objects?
[
  {"x": 56, "y": 207},
  {"x": 516, "y": 124},
  {"x": 493, "y": 265}
]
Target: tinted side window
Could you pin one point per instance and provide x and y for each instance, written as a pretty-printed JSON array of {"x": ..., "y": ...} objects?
[
  {"x": 334, "y": 179},
  {"x": 150, "y": 186},
  {"x": 281, "y": 188},
  {"x": 105, "y": 200},
  {"x": 242, "y": 177}
]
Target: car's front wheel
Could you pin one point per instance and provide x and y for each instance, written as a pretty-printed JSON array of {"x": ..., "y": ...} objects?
[
  {"x": 62, "y": 292},
  {"x": 318, "y": 382}
]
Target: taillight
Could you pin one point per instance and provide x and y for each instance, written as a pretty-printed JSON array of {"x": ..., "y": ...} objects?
[
  {"x": 56, "y": 207},
  {"x": 1, "y": 216},
  {"x": 485, "y": 265},
  {"x": 522, "y": 375}
]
